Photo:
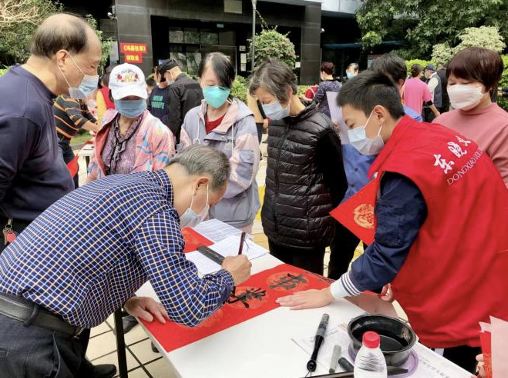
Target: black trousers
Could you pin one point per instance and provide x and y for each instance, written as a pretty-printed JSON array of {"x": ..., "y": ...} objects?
[
  {"x": 342, "y": 251},
  {"x": 33, "y": 352},
  {"x": 463, "y": 356},
  {"x": 428, "y": 115},
  {"x": 311, "y": 260},
  {"x": 259, "y": 127}
]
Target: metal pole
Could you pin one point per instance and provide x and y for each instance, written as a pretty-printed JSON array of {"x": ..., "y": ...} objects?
[
  {"x": 253, "y": 33},
  {"x": 120, "y": 345}
]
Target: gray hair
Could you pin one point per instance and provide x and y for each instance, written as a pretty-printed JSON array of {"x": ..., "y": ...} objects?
[
  {"x": 202, "y": 160},
  {"x": 60, "y": 32},
  {"x": 273, "y": 76}
]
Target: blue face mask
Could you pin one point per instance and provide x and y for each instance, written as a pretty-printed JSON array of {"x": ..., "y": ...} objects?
[
  {"x": 362, "y": 143},
  {"x": 130, "y": 108},
  {"x": 350, "y": 75},
  {"x": 216, "y": 96},
  {"x": 87, "y": 86},
  {"x": 275, "y": 111}
]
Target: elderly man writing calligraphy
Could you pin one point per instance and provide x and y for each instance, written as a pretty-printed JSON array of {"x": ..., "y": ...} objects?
[{"x": 88, "y": 253}]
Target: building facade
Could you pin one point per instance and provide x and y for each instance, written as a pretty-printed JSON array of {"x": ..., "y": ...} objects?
[{"x": 149, "y": 31}]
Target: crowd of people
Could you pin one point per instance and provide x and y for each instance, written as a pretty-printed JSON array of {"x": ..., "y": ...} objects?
[{"x": 184, "y": 151}]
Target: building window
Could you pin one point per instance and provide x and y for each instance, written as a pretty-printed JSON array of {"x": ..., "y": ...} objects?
[
  {"x": 175, "y": 35},
  {"x": 186, "y": 46},
  {"x": 209, "y": 37},
  {"x": 191, "y": 36}
]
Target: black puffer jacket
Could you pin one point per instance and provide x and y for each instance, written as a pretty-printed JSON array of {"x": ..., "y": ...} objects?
[{"x": 305, "y": 180}]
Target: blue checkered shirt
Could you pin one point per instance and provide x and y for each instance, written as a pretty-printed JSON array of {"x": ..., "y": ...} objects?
[{"x": 90, "y": 251}]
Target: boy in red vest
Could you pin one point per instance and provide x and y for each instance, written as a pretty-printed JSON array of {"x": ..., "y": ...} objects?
[{"x": 442, "y": 223}]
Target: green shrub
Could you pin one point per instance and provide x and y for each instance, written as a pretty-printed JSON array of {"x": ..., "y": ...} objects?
[
  {"x": 503, "y": 102},
  {"x": 239, "y": 88},
  {"x": 272, "y": 44},
  {"x": 442, "y": 53},
  {"x": 302, "y": 89},
  {"x": 421, "y": 62},
  {"x": 3, "y": 70},
  {"x": 484, "y": 36}
]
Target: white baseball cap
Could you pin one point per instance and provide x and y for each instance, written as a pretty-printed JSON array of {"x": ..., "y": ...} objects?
[{"x": 127, "y": 80}]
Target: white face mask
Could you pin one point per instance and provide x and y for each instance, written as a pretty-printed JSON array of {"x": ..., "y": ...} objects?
[
  {"x": 190, "y": 218},
  {"x": 464, "y": 96},
  {"x": 362, "y": 143}
]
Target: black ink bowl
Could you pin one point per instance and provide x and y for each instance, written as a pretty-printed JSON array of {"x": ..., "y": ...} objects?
[{"x": 397, "y": 337}]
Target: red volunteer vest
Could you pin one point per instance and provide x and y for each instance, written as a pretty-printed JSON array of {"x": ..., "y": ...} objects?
[{"x": 456, "y": 272}]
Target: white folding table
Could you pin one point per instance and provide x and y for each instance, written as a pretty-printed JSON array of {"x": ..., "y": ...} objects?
[{"x": 263, "y": 346}]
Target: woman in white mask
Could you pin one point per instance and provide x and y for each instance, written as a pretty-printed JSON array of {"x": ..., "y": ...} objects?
[
  {"x": 305, "y": 178},
  {"x": 473, "y": 75}
]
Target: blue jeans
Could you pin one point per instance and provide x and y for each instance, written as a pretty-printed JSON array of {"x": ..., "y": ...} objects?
[{"x": 32, "y": 351}]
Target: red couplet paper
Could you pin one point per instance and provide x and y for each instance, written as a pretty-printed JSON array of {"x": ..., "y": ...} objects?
[
  {"x": 252, "y": 298},
  {"x": 193, "y": 240},
  {"x": 357, "y": 213}
]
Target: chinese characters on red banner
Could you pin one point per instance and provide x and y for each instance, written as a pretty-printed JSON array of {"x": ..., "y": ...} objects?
[{"x": 133, "y": 52}]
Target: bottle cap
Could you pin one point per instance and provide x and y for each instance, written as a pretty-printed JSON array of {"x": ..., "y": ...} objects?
[{"x": 371, "y": 339}]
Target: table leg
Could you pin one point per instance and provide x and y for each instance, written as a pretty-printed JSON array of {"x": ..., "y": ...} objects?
[{"x": 120, "y": 344}]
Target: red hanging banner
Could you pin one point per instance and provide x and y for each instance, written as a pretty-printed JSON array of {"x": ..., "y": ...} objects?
[
  {"x": 133, "y": 52},
  {"x": 357, "y": 213},
  {"x": 252, "y": 298}
]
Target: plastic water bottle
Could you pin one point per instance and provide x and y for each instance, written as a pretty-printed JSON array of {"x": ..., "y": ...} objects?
[{"x": 370, "y": 362}]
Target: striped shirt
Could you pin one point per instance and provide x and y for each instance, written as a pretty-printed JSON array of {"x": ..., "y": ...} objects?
[
  {"x": 91, "y": 250},
  {"x": 70, "y": 116}
]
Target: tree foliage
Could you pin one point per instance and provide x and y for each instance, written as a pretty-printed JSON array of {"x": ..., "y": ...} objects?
[
  {"x": 484, "y": 36},
  {"x": 15, "y": 12},
  {"x": 410, "y": 63},
  {"x": 442, "y": 53},
  {"x": 239, "y": 88},
  {"x": 503, "y": 102},
  {"x": 106, "y": 44},
  {"x": 18, "y": 21},
  {"x": 426, "y": 23},
  {"x": 16, "y": 32}
]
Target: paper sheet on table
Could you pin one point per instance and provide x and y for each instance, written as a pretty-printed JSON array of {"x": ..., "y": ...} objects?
[
  {"x": 226, "y": 247},
  {"x": 499, "y": 339},
  {"x": 215, "y": 230},
  {"x": 430, "y": 364},
  {"x": 336, "y": 115},
  {"x": 203, "y": 263}
]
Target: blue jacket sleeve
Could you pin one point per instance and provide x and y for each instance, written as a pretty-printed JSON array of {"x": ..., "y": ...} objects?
[
  {"x": 400, "y": 213},
  {"x": 320, "y": 94}
]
